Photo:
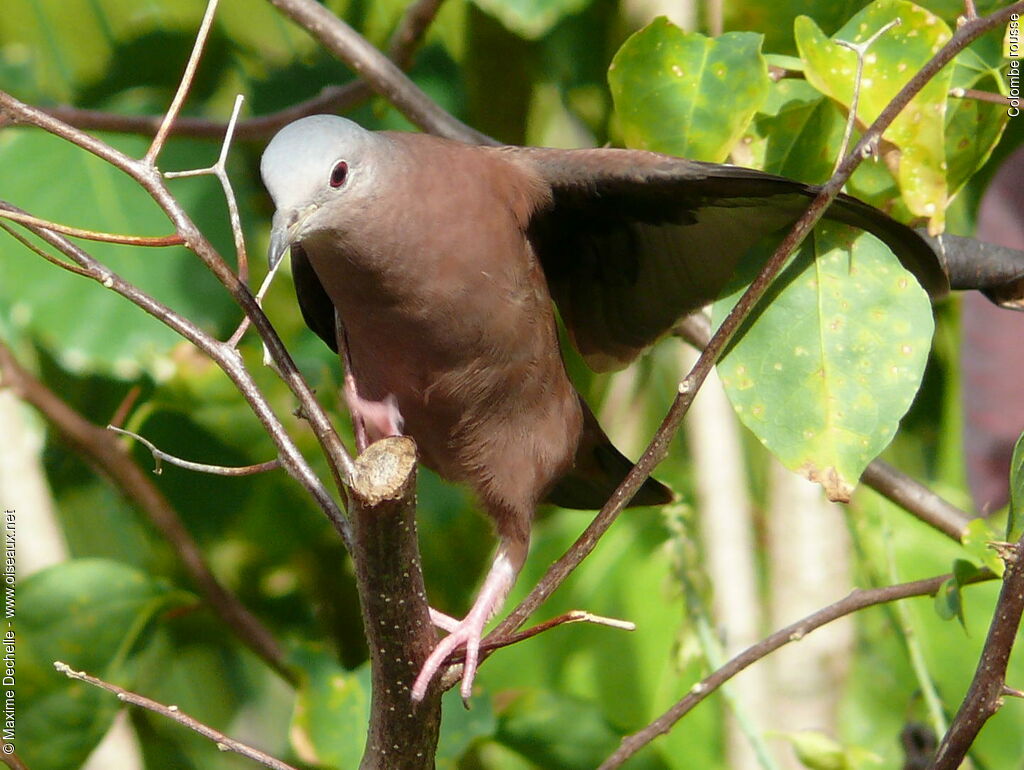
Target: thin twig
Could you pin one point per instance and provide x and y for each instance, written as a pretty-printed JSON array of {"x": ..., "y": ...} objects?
[
  {"x": 13, "y": 761},
  {"x": 860, "y": 49},
  {"x": 219, "y": 170},
  {"x": 223, "y": 742},
  {"x": 985, "y": 696},
  {"x": 99, "y": 448},
  {"x": 977, "y": 95},
  {"x": 565, "y": 619},
  {"x": 215, "y": 470},
  {"x": 855, "y": 601},
  {"x": 93, "y": 235},
  {"x": 126, "y": 406},
  {"x": 71, "y": 268},
  {"x": 183, "y": 86}
]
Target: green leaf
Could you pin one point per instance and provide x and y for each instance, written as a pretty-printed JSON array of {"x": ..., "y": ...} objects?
[
  {"x": 332, "y": 709},
  {"x": 88, "y": 613},
  {"x": 1015, "y": 522},
  {"x": 531, "y": 19},
  {"x": 973, "y": 127},
  {"x": 891, "y": 61},
  {"x": 948, "y": 601},
  {"x": 797, "y": 133},
  {"x": 818, "y": 751},
  {"x": 832, "y": 357},
  {"x": 976, "y": 538},
  {"x": 949, "y": 598},
  {"x": 687, "y": 94},
  {"x": 87, "y": 327}
]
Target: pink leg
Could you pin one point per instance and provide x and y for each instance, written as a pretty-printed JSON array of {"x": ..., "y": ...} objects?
[
  {"x": 468, "y": 632},
  {"x": 372, "y": 420}
]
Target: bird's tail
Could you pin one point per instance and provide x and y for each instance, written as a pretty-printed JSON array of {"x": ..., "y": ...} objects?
[{"x": 600, "y": 468}]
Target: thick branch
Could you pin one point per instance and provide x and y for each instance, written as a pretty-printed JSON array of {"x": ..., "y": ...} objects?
[
  {"x": 395, "y": 612},
  {"x": 985, "y": 696},
  {"x": 102, "y": 450}
]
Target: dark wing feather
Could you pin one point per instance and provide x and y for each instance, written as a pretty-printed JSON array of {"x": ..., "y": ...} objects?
[
  {"x": 317, "y": 308},
  {"x": 632, "y": 241}
]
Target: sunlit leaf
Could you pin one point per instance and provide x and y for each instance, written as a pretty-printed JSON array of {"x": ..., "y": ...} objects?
[
  {"x": 687, "y": 94},
  {"x": 832, "y": 358},
  {"x": 891, "y": 61}
]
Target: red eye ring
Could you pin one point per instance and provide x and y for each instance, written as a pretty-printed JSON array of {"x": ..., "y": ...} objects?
[{"x": 339, "y": 173}]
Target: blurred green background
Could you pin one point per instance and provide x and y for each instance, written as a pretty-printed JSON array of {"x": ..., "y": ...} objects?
[{"x": 524, "y": 71}]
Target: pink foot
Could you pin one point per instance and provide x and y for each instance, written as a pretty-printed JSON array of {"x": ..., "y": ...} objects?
[{"x": 468, "y": 631}]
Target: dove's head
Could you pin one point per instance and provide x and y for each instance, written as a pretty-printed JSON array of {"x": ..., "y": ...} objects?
[{"x": 319, "y": 170}]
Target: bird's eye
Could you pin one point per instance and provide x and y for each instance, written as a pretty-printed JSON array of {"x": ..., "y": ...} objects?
[{"x": 339, "y": 174}]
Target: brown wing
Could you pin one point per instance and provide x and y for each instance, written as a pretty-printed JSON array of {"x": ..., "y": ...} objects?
[{"x": 632, "y": 241}]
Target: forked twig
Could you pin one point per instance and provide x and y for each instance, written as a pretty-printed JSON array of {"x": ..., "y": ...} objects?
[
  {"x": 219, "y": 170},
  {"x": 184, "y": 85},
  {"x": 216, "y": 470},
  {"x": 860, "y": 49}
]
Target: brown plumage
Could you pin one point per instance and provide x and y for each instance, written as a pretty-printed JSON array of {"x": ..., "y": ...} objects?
[{"x": 434, "y": 264}]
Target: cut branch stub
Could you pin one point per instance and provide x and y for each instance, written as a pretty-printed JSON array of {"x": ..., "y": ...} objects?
[{"x": 395, "y": 611}]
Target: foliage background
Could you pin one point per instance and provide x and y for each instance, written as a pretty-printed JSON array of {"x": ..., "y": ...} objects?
[{"x": 525, "y": 72}]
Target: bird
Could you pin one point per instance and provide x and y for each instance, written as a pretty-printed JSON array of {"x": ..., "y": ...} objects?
[{"x": 434, "y": 267}]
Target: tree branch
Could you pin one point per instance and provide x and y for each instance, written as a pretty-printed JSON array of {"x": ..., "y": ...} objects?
[
  {"x": 396, "y": 618},
  {"x": 917, "y": 499},
  {"x": 223, "y": 742},
  {"x": 855, "y": 601},
  {"x": 149, "y": 178},
  {"x": 224, "y": 356},
  {"x": 985, "y": 696}
]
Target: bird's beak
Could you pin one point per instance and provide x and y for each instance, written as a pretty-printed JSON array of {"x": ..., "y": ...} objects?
[
  {"x": 284, "y": 230},
  {"x": 281, "y": 236}
]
